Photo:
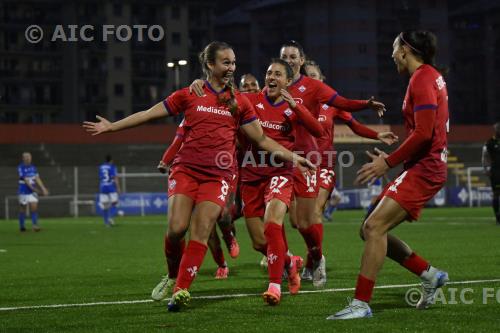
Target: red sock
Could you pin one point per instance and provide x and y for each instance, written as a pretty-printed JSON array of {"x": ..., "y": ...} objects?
[
  {"x": 364, "y": 289},
  {"x": 317, "y": 252},
  {"x": 173, "y": 253},
  {"x": 284, "y": 237},
  {"x": 311, "y": 237},
  {"x": 275, "y": 251},
  {"x": 190, "y": 264},
  {"x": 415, "y": 264},
  {"x": 218, "y": 256},
  {"x": 309, "y": 261}
]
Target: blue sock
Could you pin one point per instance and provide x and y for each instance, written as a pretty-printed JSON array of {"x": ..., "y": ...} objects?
[
  {"x": 34, "y": 218},
  {"x": 105, "y": 215},
  {"x": 112, "y": 211},
  {"x": 22, "y": 216}
]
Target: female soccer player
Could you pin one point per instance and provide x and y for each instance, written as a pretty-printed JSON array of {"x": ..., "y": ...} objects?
[
  {"x": 267, "y": 183},
  {"x": 313, "y": 94},
  {"x": 202, "y": 171},
  {"x": 424, "y": 154},
  {"x": 327, "y": 117}
]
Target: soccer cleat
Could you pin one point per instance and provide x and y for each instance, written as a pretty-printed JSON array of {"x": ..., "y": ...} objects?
[
  {"x": 23, "y": 229},
  {"x": 111, "y": 222},
  {"x": 36, "y": 228},
  {"x": 293, "y": 275},
  {"x": 355, "y": 309},
  {"x": 319, "y": 273},
  {"x": 272, "y": 296},
  {"x": 222, "y": 273},
  {"x": 163, "y": 289},
  {"x": 307, "y": 274},
  {"x": 430, "y": 288},
  {"x": 179, "y": 299},
  {"x": 234, "y": 248},
  {"x": 263, "y": 262}
]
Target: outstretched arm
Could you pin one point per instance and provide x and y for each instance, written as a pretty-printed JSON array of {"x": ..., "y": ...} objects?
[{"x": 136, "y": 119}]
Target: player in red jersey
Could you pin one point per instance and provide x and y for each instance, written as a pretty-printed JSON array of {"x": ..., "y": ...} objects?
[
  {"x": 326, "y": 170},
  {"x": 202, "y": 170},
  {"x": 313, "y": 94},
  {"x": 267, "y": 182},
  {"x": 214, "y": 244},
  {"x": 423, "y": 154}
]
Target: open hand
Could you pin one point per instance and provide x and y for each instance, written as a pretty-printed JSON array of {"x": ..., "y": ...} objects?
[
  {"x": 197, "y": 87},
  {"x": 377, "y": 106},
  {"x": 374, "y": 169},
  {"x": 388, "y": 137},
  {"x": 102, "y": 126}
]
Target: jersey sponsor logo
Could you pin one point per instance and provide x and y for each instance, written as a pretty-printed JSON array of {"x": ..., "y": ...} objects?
[
  {"x": 302, "y": 89},
  {"x": 211, "y": 109},
  {"x": 440, "y": 82},
  {"x": 260, "y": 106},
  {"x": 322, "y": 118},
  {"x": 288, "y": 112},
  {"x": 283, "y": 127}
]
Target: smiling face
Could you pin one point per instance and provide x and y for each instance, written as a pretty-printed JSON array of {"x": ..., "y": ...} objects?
[
  {"x": 276, "y": 80},
  {"x": 225, "y": 65},
  {"x": 313, "y": 72},
  {"x": 399, "y": 54},
  {"x": 249, "y": 84},
  {"x": 292, "y": 55}
]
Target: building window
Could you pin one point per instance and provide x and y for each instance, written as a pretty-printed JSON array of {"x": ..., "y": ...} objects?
[
  {"x": 118, "y": 62},
  {"x": 118, "y": 89},
  {"x": 176, "y": 13},
  {"x": 176, "y": 38}
]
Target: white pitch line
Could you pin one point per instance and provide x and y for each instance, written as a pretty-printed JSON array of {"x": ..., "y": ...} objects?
[{"x": 391, "y": 286}]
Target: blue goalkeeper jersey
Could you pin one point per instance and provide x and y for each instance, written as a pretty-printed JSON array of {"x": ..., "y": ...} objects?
[
  {"x": 27, "y": 173},
  {"x": 107, "y": 174}
]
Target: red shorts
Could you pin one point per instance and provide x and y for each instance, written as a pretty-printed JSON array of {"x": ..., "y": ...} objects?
[
  {"x": 411, "y": 190},
  {"x": 305, "y": 186},
  {"x": 327, "y": 179},
  {"x": 198, "y": 187},
  {"x": 255, "y": 195}
]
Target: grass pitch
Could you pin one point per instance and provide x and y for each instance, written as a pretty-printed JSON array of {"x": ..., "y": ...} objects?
[{"x": 100, "y": 279}]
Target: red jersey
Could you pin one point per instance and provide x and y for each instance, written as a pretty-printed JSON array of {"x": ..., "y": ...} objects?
[
  {"x": 326, "y": 118},
  {"x": 278, "y": 122},
  {"x": 312, "y": 94},
  {"x": 210, "y": 129},
  {"x": 425, "y": 111}
]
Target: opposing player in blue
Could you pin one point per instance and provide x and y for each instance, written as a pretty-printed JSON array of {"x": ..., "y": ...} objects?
[
  {"x": 30, "y": 185},
  {"x": 108, "y": 190}
]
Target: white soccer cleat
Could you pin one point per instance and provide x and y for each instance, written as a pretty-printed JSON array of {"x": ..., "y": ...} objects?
[
  {"x": 319, "y": 273},
  {"x": 430, "y": 288},
  {"x": 354, "y": 310},
  {"x": 307, "y": 274},
  {"x": 163, "y": 289}
]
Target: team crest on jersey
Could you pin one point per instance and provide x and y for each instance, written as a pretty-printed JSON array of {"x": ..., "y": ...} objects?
[
  {"x": 440, "y": 83},
  {"x": 325, "y": 106},
  {"x": 322, "y": 118},
  {"x": 288, "y": 112},
  {"x": 260, "y": 106},
  {"x": 302, "y": 89},
  {"x": 171, "y": 184}
]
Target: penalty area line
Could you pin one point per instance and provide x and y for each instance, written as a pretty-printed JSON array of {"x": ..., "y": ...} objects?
[{"x": 141, "y": 301}]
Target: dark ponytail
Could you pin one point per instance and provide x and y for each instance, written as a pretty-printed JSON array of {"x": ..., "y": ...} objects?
[
  {"x": 208, "y": 56},
  {"x": 423, "y": 45}
]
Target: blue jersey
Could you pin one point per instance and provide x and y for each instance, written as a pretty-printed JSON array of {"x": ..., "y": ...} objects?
[
  {"x": 107, "y": 174},
  {"x": 377, "y": 182},
  {"x": 27, "y": 173}
]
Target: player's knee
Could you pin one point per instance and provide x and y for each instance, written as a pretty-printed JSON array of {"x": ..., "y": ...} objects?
[
  {"x": 372, "y": 228},
  {"x": 176, "y": 228}
]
